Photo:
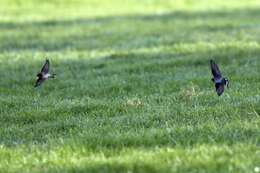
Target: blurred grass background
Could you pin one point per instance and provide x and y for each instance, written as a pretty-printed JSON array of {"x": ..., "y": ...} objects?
[
  {"x": 133, "y": 90},
  {"x": 33, "y": 10}
]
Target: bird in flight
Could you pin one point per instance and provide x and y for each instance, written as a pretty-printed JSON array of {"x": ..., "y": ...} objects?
[
  {"x": 219, "y": 81},
  {"x": 44, "y": 74}
]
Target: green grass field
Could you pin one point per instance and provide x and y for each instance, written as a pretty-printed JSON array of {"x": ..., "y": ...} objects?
[{"x": 133, "y": 90}]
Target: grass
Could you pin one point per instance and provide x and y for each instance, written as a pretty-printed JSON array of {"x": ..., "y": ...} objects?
[{"x": 133, "y": 90}]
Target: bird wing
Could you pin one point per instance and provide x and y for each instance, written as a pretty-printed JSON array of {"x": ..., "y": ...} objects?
[
  {"x": 39, "y": 82},
  {"x": 46, "y": 66},
  {"x": 215, "y": 70},
  {"x": 219, "y": 88}
]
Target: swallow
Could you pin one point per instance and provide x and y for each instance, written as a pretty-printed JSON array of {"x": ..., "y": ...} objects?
[
  {"x": 44, "y": 74},
  {"x": 219, "y": 81}
]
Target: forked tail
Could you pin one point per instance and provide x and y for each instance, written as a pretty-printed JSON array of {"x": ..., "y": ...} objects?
[
  {"x": 52, "y": 76},
  {"x": 227, "y": 83}
]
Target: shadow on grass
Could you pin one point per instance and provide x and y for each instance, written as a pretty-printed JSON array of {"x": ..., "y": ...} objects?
[{"x": 126, "y": 32}]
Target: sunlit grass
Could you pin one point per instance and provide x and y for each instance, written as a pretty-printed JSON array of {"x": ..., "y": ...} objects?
[{"x": 37, "y": 10}]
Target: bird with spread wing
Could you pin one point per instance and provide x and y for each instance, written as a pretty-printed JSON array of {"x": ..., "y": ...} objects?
[
  {"x": 219, "y": 81},
  {"x": 44, "y": 74}
]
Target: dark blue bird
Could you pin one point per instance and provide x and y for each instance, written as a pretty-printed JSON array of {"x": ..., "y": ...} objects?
[
  {"x": 44, "y": 74},
  {"x": 219, "y": 81}
]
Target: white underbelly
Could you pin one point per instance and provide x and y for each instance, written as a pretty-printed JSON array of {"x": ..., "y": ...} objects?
[
  {"x": 46, "y": 76},
  {"x": 218, "y": 80}
]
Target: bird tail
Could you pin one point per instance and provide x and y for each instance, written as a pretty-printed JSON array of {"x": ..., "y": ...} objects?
[
  {"x": 227, "y": 83},
  {"x": 52, "y": 76}
]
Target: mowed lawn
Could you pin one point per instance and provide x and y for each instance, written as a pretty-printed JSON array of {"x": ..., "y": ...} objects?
[{"x": 133, "y": 90}]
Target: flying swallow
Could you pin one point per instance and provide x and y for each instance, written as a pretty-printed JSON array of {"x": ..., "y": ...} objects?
[
  {"x": 44, "y": 74},
  {"x": 219, "y": 81}
]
